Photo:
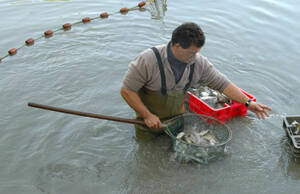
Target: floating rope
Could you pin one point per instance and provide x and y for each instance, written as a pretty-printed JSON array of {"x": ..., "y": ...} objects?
[{"x": 67, "y": 26}]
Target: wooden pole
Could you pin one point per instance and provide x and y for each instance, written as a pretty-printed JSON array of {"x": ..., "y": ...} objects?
[{"x": 85, "y": 114}]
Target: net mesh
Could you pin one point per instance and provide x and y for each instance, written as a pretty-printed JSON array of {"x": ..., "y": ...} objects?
[{"x": 196, "y": 122}]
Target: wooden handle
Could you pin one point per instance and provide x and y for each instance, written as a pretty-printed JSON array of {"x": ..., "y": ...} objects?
[{"x": 85, "y": 114}]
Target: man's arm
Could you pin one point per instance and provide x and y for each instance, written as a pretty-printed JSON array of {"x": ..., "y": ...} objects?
[
  {"x": 135, "y": 102},
  {"x": 234, "y": 93}
]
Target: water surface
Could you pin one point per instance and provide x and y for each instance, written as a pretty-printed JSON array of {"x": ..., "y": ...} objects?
[{"x": 255, "y": 43}]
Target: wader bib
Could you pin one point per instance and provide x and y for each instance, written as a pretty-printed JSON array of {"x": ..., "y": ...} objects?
[{"x": 164, "y": 104}]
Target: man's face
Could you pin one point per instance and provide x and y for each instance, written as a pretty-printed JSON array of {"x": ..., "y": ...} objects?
[{"x": 186, "y": 55}]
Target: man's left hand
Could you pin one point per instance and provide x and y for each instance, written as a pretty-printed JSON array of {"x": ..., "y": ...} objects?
[{"x": 259, "y": 109}]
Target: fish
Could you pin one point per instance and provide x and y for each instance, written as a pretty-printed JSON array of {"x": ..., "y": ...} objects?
[
  {"x": 204, "y": 132},
  {"x": 210, "y": 100},
  {"x": 204, "y": 94},
  {"x": 180, "y": 135},
  {"x": 210, "y": 138},
  {"x": 221, "y": 98},
  {"x": 211, "y": 97},
  {"x": 296, "y": 125},
  {"x": 204, "y": 137}
]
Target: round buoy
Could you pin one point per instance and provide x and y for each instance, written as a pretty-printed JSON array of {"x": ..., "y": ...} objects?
[
  {"x": 104, "y": 15},
  {"x": 124, "y": 10},
  {"x": 86, "y": 19},
  {"x": 29, "y": 41},
  {"x": 12, "y": 51},
  {"x": 67, "y": 26},
  {"x": 48, "y": 33},
  {"x": 142, "y": 4}
]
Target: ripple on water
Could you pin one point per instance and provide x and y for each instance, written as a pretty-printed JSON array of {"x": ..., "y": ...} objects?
[{"x": 255, "y": 44}]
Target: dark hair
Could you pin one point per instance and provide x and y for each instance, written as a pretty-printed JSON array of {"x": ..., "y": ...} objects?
[{"x": 187, "y": 34}]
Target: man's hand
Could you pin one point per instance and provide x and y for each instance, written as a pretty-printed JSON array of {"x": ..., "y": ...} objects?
[
  {"x": 235, "y": 93},
  {"x": 135, "y": 102},
  {"x": 152, "y": 121},
  {"x": 259, "y": 109}
]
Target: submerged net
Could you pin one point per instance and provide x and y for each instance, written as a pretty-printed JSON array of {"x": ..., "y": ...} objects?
[
  {"x": 158, "y": 8},
  {"x": 195, "y": 122}
]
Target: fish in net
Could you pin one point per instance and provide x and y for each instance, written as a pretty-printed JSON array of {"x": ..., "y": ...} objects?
[{"x": 198, "y": 138}]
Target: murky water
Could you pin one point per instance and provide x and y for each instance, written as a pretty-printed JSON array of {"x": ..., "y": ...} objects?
[{"x": 255, "y": 43}]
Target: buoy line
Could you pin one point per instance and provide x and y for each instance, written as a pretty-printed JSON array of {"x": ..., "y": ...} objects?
[{"x": 67, "y": 26}]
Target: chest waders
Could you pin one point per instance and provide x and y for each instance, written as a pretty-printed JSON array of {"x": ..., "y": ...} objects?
[{"x": 164, "y": 104}]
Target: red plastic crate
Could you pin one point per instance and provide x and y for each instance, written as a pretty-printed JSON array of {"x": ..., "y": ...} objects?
[{"x": 228, "y": 111}]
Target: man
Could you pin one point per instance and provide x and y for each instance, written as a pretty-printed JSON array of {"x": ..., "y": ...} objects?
[{"x": 156, "y": 81}]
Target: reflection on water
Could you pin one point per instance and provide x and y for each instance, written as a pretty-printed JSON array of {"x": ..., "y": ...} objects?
[
  {"x": 35, "y": 1},
  {"x": 150, "y": 161},
  {"x": 289, "y": 164},
  {"x": 58, "y": 175}
]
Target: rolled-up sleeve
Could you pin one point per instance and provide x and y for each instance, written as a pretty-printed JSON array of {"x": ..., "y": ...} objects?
[
  {"x": 212, "y": 77},
  {"x": 137, "y": 75}
]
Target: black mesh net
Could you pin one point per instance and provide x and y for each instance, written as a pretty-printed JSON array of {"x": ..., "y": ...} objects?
[{"x": 202, "y": 153}]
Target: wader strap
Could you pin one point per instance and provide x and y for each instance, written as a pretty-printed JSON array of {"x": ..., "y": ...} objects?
[
  {"x": 190, "y": 77},
  {"x": 162, "y": 72}
]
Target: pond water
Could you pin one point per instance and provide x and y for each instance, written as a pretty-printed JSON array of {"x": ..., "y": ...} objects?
[{"x": 254, "y": 42}]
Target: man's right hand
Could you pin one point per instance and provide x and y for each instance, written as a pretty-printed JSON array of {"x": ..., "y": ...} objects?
[
  {"x": 152, "y": 121},
  {"x": 135, "y": 102}
]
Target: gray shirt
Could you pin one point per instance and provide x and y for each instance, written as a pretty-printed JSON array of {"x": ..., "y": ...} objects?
[{"x": 143, "y": 71}]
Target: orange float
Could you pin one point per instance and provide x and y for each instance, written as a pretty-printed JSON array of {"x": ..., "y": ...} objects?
[
  {"x": 124, "y": 10},
  {"x": 104, "y": 15},
  {"x": 142, "y": 4},
  {"x": 48, "y": 33},
  {"x": 86, "y": 19},
  {"x": 29, "y": 41},
  {"x": 12, "y": 51},
  {"x": 67, "y": 26}
]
